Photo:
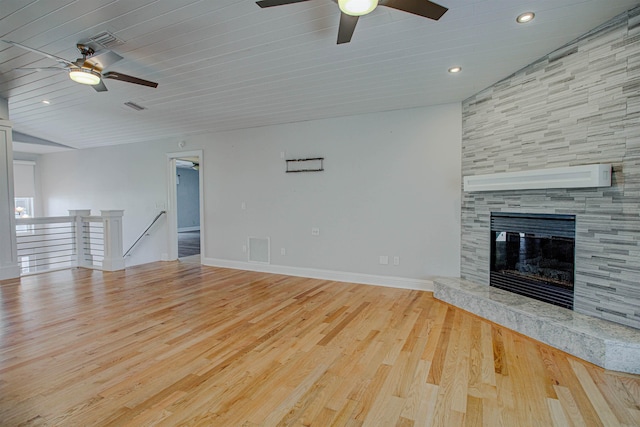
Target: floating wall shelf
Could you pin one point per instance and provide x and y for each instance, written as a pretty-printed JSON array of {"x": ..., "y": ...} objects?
[{"x": 585, "y": 176}]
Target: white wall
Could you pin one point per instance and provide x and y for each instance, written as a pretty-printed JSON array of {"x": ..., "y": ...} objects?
[
  {"x": 391, "y": 186},
  {"x": 130, "y": 177}
]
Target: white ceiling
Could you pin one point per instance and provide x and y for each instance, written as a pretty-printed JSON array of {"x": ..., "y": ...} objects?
[{"x": 228, "y": 64}]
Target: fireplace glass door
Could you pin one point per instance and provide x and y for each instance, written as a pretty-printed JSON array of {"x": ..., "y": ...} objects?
[{"x": 534, "y": 255}]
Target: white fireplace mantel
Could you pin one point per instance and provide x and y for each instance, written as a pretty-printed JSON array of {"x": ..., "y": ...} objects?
[{"x": 584, "y": 176}]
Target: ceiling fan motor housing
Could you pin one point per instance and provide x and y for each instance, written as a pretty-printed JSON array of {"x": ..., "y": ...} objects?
[{"x": 85, "y": 50}]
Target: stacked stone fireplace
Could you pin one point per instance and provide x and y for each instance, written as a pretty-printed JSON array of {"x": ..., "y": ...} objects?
[{"x": 579, "y": 105}]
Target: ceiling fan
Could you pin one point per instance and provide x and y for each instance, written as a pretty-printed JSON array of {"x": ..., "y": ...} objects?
[
  {"x": 351, "y": 10},
  {"x": 87, "y": 70}
]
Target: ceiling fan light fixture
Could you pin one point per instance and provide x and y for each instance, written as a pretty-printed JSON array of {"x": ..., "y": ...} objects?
[
  {"x": 357, "y": 7},
  {"x": 84, "y": 76}
]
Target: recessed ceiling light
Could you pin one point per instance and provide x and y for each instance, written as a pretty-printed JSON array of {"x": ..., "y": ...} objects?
[
  {"x": 525, "y": 17},
  {"x": 44, "y": 101},
  {"x": 454, "y": 70}
]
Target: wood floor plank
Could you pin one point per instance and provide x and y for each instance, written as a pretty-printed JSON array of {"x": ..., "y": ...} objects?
[
  {"x": 617, "y": 398},
  {"x": 388, "y": 403},
  {"x": 491, "y": 416},
  {"x": 605, "y": 412},
  {"x": 558, "y": 416},
  {"x": 438, "y": 356},
  {"x": 474, "y": 412},
  {"x": 570, "y": 408},
  {"x": 416, "y": 404},
  {"x": 532, "y": 406},
  {"x": 168, "y": 344},
  {"x": 487, "y": 361}
]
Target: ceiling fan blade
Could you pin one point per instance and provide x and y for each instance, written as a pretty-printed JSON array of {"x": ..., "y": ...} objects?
[
  {"x": 424, "y": 8},
  {"x": 129, "y": 79},
  {"x": 347, "y": 27},
  {"x": 270, "y": 3},
  {"x": 102, "y": 59},
  {"x": 100, "y": 87},
  {"x": 48, "y": 55}
]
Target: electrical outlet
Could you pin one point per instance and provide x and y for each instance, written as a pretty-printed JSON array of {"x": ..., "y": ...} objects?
[
  {"x": 315, "y": 231},
  {"x": 396, "y": 260},
  {"x": 244, "y": 249},
  {"x": 383, "y": 260},
  {"x": 283, "y": 251},
  {"x": 243, "y": 205}
]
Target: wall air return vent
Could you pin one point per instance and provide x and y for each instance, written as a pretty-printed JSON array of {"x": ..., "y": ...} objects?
[{"x": 259, "y": 250}]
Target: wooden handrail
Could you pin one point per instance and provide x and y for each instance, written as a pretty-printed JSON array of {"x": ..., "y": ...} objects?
[{"x": 144, "y": 233}]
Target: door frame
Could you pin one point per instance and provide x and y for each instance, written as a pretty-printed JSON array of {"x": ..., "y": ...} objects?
[{"x": 172, "y": 197}]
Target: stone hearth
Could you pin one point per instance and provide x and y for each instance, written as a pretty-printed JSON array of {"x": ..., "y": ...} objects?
[{"x": 603, "y": 343}]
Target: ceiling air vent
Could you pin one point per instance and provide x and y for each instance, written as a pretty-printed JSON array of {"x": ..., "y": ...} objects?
[
  {"x": 134, "y": 106},
  {"x": 106, "y": 39}
]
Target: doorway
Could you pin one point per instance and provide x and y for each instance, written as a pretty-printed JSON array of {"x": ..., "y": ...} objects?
[{"x": 185, "y": 210}]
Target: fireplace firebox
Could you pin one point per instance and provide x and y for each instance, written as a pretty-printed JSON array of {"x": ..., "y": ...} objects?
[{"x": 534, "y": 255}]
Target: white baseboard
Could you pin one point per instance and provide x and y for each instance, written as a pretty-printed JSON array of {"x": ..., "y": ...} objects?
[
  {"x": 11, "y": 271},
  {"x": 338, "y": 276},
  {"x": 194, "y": 228}
]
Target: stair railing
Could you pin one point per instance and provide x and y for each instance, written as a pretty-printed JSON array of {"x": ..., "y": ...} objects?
[
  {"x": 144, "y": 233},
  {"x": 78, "y": 240}
]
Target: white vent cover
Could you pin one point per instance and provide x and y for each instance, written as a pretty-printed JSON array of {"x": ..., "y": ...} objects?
[
  {"x": 106, "y": 39},
  {"x": 134, "y": 106},
  {"x": 259, "y": 250}
]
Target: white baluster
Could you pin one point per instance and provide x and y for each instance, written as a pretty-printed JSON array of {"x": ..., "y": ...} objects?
[{"x": 112, "y": 221}]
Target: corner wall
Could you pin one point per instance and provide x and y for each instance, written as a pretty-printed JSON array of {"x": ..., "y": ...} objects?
[{"x": 579, "y": 105}]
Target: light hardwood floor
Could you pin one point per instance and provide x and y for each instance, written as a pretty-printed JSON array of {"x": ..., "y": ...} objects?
[{"x": 182, "y": 344}]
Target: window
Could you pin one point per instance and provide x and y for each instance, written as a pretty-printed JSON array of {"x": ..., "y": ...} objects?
[
  {"x": 24, "y": 192},
  {"x": 24, "y": 207}
]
